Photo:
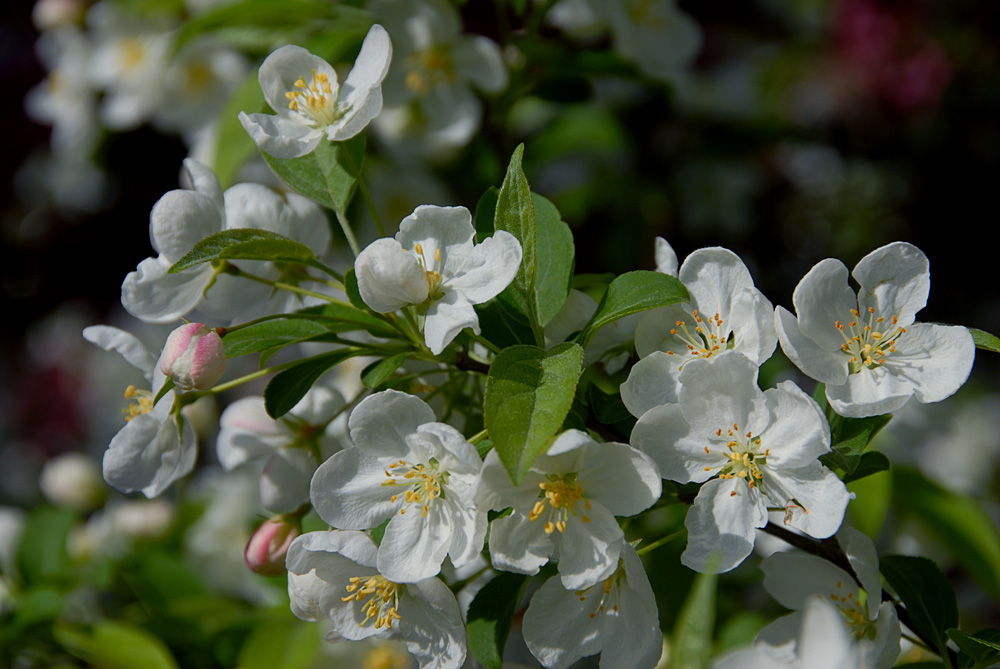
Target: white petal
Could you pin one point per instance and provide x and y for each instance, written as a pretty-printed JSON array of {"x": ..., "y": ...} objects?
[
  {"x": 821, "y": 298},
  {"x": 936, "y": 359},
  {"x": 721, "y": 525},
  {"x": 895, "y": 280},
  {"x": 870, "y": 392},
  {"x": 666, "y": 257},
  {"x": 128, "y": 345},
  {"x": 820, "y": 495},
  {"x": 363, "y": 109},
  {"x": 588, "y": 551},
  {"x": 381, "y": 422},
  {"x": 246, "y": 433},
  {"x": 447, "y": 317},
  {"x": 414, "y": 545},
  {"x": 448, "y": 229},
  {"x": 885, "y": 647},
  {"x": 468, "y": 532},
  {"x": 148, "y": 455},
  {"x": 652, "y": 331},
  {"x": 652, "y": 381},
  {"x": 179, "y": 220},
  {"x": 794, "y": 578},
  {"x": 752, "y": 318},
  {"x": 154, "y": 296},
  {"x": 798, "y": 432},
  {"x": 477, "y": 60},
  {"x": 863, "y": 557},
  {"x": 431, "y": 625},
  {"x": 284, "y": 484},
  {"x": 389, "y": 276},
  {"x": 204, "y": 182},
  {"x": 624, "y": 480},
  {"x": 347, "y": 491},
  {"x": 825, "y": 365},
  {"x": 283, "y": 67},
  {"x": 824, "y": 641},
  {"x": 665, "y": 435},
  {"x": 714, "y": 277},
  {"x": 487, "y": 269},
  {"x": 719, "y": 392},
  {"x": 558, "y": 628},
  {"x": 518, "y": 544},
  {"x": 280, "y": 137}
]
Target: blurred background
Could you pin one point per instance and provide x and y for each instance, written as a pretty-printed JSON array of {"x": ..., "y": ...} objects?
[{"x": 786, "y": 130}]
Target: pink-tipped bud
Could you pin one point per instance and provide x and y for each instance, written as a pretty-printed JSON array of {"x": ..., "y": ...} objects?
[
  {"x": 266, "y": 550},
  {"x": 193, "y": 357}
]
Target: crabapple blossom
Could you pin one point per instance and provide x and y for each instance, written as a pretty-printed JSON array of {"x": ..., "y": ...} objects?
[
  {"x": 795, "y": 578},
  {"x": 193, "y": 357},
  {"x": 867, "y": 348},
  {"x": 407, "y": 467},
  {"x": 433, "y": 262},
  {"x": 752, "y": 449},
  {"x": 157, "y": 446},
  {"x": 309, "y": 110},
  {"x": 726, "y": 312},
  {"x": 332, "y": 576},
  {"x": 616, "y": 618},
  {"x": 583, "y": 485}
]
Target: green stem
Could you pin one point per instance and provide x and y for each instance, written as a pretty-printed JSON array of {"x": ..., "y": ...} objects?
[
  {"x": 478, "y": 437},
  {"x": 236, "y": 271},
  {"x": 222, "y": 387},
  {"x": 367, "y": 197},
  {"x": 659, "y": 542},
  {"x": 485, "y": 342},
  {"x": 351, "y": 239}
]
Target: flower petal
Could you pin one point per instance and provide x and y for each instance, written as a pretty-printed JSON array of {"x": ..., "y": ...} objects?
[
  {"x": 128, "y": 345},
  {"x": 895, "y": 279},
  {"x": 623, "y": 479},
  {"x": 827, "y": 366},
  {"x": 721, "y": 525},
  {"x": 347, "y": 491},
  {"x": 283, "y": 67},
  {"x": 558, "y": 628},
  {"x": 447, "y": 317},
  {"x": 821, "y": 498},
  {"x": 148, "y": 455},
  {"x": 179, "y": 220},
  {"x": 284, "y": 484},
  {"x": 665, "y": 435},
  {"x": 280, "y": 137},
  {"x": 431, "y": 625},
  {"x": 154, "y": 296},
  {"x": 487, "y": 269},
  {"x": 666, "y": 257},
  {"x": 794, "y": 578},
  {"x": 936, "y": 359},
  {"x": 821, "y": 298},
  {"x": 588, "y": 550},
  {"x": 652, "y": 381},
  {"x": 389, "y": 276},
  {"x": 798, "y": 432},
  {"x": 870, "y": 392},
  {"x": 519, "y": 545},
  {"x": 381, "y": 422},
  {"x": 415, "y": 544},
  {"x": 247, "y": 433}
]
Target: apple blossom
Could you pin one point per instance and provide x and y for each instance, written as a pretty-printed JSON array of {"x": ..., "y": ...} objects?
[
  {"x": 193, "y": 356},
  {"x": 157, "y": 446},
  {"x": 866, "y": 348},
  {"x": 568, "y": 501},
  {"x": 616, "y": 618},
  {"x": 726, "y": 312},
  {"x": 332, "y": 576},
  {"x": 309, "y": 110},
  {"x": 752, "y": 449},
  {"x": 407, "y": 467},
  {"x": 433, "y": 262}
]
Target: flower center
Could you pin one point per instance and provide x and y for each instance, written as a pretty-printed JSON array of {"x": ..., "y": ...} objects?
[
  {"x": 384, "y": 602},
  {"x": 562, "y": 494},
  {"x": 315, "y": 100},
  {"x": 608, "y": 592},
  {"x": 867, "y": 344},
  {"x": 745, "y": 456},
  {"x": 705, "y": 338},
  {"x": 425, "y": 482},
  {"x": 386, "y": 656},
  {"x": 853, "y": 609},
  {"x": 433, "y": 276},
  {"x": 428, "y": 68},
  {"x": 140, "y": 402},
  {"x": 132, "y": 53},
  {"x": 198, "y": 79}
]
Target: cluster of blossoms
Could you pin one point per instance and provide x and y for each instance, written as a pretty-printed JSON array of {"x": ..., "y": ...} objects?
[{"x": 409, "y": 496}]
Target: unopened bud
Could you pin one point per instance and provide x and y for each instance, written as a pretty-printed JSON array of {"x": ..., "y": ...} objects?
[
  {"x": 266, "y": 550},
  {"x": 193, "y": 357},
  {"x": 73, "y": 480}
]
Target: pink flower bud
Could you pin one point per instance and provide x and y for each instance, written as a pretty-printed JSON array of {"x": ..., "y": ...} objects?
[
  {"x": 266, "y": 550},
  {"x": 193, "y": 357}
]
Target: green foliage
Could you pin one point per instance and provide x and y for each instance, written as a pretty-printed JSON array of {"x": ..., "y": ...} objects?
[
  {"x": 113, "y": 644},
  {"x": 959, "y": 523},
  {"x": 285, "y": 390},
  {"x": 490, "y": 616},
  {"x": 270, "y": 334},
  {"x": 870, "y": 463},
  {"x": 691, "y": 644},
  {"x": 985, "y": 340},
  {"x": 233, "y": 146},
  {"x": 43, "y": 557},
  {"x": 264, "y": 15},
  {"x": 246, "y": 244},
  {"x": 851, "y": 437},
  {"x": 328, "y": 175},
  {"x": 631, "y": 293},
  {"x": 979, "y": 650},
  {"x": 528, "y": 393},
  {"x": 375, "y": 374},
  {"x": 554, "y": 244},
  {"x": 281, "y": 644},
  {"x": 927, "y": 595}
]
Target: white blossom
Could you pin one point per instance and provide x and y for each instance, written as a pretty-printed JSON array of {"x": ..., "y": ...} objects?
[
  {"x": 752, "y": 449},
  {"x": 310, "y": 104},
  {"x": 433, "y": 262},
  {"x": 568, "y": 501},
  {"x": 867, "y": 348},
  {"x": 414, "y": 470}
]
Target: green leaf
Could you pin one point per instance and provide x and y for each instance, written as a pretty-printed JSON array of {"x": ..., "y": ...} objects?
[
  {"x": 376, "y": 373},
  {"x": 256, "y": 13},
  {"x": 286, "y": 389},
  {"x": 503, "y": 323},
  {"x": 42, "y": 556},
  {"x": 486, "y": 211},
  {"x": 328, "y": 175},
  {"x": 112, "y": 644},
  {"x": 269, "y": 334},
  {"x": 631, "y": 293},
  {"x": 515, "y": 213},
  {"x": 245, "y": 244},
  {"x": 691, "y": 646},
  {"x": 608, "y": 408},
  {"x": 959, "y": 523},
  {"x": 926, "y": 593},
  {"x": 528, "y": 395},
  {"x": 851, "y": 437},
  {"x": 233, "y": 146},
  {"x": 870, "y": 463},
  {"x": 984, "y": 646},
  {"x": 985, "y": 340},
  {"x": 554, "y": 243},
  {"x": 490, "y": 616},
  {"x": 352, "y": 290},
  {"x": 345, "y": 318}
]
